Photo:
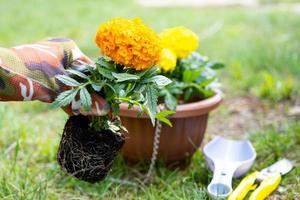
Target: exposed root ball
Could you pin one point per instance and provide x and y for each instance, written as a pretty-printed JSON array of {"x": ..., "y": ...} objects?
[{"x": 86, "y": 154}]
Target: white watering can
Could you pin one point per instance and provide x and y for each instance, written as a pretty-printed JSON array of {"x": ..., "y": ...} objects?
[{"x": 227, "y": 159}]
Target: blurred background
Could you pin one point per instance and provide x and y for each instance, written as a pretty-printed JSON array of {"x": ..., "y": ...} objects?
[{"x": 259, "y": 42}]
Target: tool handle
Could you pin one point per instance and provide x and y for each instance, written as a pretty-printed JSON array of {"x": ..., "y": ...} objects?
[
  {"x": 266, "y": 187},
  {"x": 220, "y": 186},
  {"x": 244, "y": 187}
]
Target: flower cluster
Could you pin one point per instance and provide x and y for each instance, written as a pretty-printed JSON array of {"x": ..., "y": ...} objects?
[
  {"x": 129, "y": 43},
  {"x": 180, "y": 41}
]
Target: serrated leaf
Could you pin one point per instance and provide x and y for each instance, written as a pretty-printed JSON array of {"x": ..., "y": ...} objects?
[
  {"x": 77, "y": 73},
  {"x": 85, "y": 99},
  {"x": 67, "y": 80},
  {"x": 105, "y": 72},
  {"x": 170, "y": 101},
  {"x": 64, "y": 98},
  {"x": 160, "y": 80},
  {"x": 140, "y": 97},
  {"x": 98, "y": 86},
  {"x": 125, "y": 77},
  {"x": 106, "y": 63},
  {"x": 140, "y": 88},
  {"x": 90, "y": 68},
  {"x": 150, "y": 72},
  {"x": 165, "y": 113},
  {"x": 162, "y": 116},
  {"x": 119, "y": 86},
  {"x": 164, "y": 120},
  {"x": 151, "y": 102},
  {"x": 130, "y": 87},
  {"x": 111, "y": 87}
]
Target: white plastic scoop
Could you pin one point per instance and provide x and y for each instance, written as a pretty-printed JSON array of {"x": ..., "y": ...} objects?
[{"x": 227, "y": 159}]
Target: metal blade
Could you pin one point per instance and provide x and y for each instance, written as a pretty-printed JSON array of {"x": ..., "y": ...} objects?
[{"x": 282, "y": 166}]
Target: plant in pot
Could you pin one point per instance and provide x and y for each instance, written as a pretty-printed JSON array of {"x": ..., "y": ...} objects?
[
  {"x": 124, "y": 74},
  {"x": 193, "y": 93}
]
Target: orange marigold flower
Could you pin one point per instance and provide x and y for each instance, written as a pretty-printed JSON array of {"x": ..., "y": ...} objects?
[{"x": 129, "y": 42}]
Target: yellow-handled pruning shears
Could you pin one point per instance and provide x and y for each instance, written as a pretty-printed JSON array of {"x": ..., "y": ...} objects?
[{"x": 263, "y": 183}]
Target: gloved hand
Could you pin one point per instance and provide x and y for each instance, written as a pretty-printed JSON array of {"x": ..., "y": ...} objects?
[{"x": 27, "y": 73}]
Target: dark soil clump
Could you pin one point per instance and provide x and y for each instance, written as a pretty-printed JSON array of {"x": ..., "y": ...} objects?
[{"x": 87, "y": 154}]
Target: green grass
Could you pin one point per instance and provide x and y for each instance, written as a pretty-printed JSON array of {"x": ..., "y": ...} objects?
[
  {"x": 250, "y": 42},
  {"x": 28, "y": 169},
  {"x": 278, "y": 1},
  {"x": 247, "y": 40}
]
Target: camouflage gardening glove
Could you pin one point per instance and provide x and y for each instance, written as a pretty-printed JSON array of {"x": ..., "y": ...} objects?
[{"x": 27, "y": 73}]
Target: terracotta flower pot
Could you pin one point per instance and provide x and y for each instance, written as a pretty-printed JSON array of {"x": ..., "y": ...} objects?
[{"x": 177, "y": 143}]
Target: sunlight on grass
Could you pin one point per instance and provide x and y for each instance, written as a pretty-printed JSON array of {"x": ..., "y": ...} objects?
[
  {"x": 255, "y": 39},
  {"x": 28, "y": 168}
]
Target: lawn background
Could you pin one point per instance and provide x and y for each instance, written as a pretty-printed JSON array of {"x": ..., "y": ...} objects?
[{"x": 251, "y": 42}]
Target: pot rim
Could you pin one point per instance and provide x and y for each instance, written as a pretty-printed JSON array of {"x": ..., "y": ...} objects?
[{"x": 182, "y": 111}]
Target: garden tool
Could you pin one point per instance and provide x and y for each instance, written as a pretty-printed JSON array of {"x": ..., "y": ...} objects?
[
  {"x": 227, "y": 159},
  {"x": 264, "y": 182}
]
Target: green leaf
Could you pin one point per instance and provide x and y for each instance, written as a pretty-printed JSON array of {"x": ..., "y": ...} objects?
[
  {"x": 148, "y": 73},
  {"x": 160, "y": 80},
  {"x": 77, "y": 73},
  {"x": 67, "y": 80},
  {"x": 151, "y": 102},
  {"x": 98, "y": 86},
  {"x": 198, "y": 87},
  {"x": 130, "y": 87},
  {"x": 138, "y": 97},
  {"x": 105, "y": 72},
  {"x": 91, "y": 68},
  {"x": 86, "y": 99},
  {"x": 165, "y": 120},
  {"x": 206, "y": 82},
  {"x": 190, "y": 76},
  {"x": 215, "y": 65},
  {"x": 170, "y": 101},
  {"x": 106, "y": 63},
  {"x": 122, "y": 93},
  {"x": 111, "y": 88},
  {"x": 125, "y": 77},
  {"x": 119, "y": 86},
  {"x": 165, "y": 113},
  {"x": 115, "y": 109},
  {"x": 189, "y": 93},
  {"x": 109, "y": 92},
  {"x": 162, "y": 116},
  {"x": 140, "y": 88},
  {"x": 175, "y": 87},
  {"x": 64, "y": 98}
]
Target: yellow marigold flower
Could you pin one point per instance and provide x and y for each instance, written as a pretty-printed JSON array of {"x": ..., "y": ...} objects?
[
  {"x": 168, "y": 60},
  {"x": 180, "y": 40},
  {"x": 129, "y": 42}
]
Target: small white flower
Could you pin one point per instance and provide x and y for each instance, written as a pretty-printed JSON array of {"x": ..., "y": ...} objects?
[
  {"x": 215, "y": 86},
  {"x": 208, "y": 73}
]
